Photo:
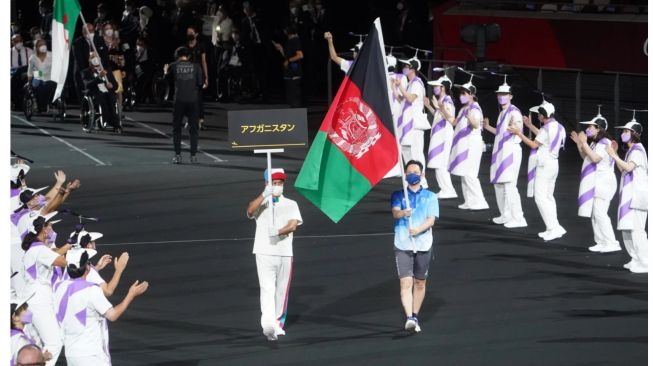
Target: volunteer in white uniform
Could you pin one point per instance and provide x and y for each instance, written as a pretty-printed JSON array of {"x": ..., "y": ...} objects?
[
  {"x": 413, "y": 121},
  {"x": 21, "y": 317},
  {"x": 467, "y": 148},
  {"x": 273, "y": 250},
  {"x": 38, "y": 263},
  {"x": 344, "y": 64},
  {"x": 598, "y": 183},
  {"x": 506, "y": 161},
  {"x": 543, "y": 169},
  {"x": 633, "y": 196},
  {"x": 82, "y": 310},
  {"x": 442, "y": 108}
]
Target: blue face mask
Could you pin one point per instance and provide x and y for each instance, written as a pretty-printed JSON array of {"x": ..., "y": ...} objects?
[{"x": 413, "y": 178}]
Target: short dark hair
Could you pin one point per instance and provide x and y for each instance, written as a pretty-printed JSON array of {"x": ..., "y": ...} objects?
[
  {"x": 182, "y": 52},
  {"x": 415, "y": 162},
  {"x": 635, "y": 138},
  {"x": 193, "y": 27},
  {"x": 15, "y": 310}
]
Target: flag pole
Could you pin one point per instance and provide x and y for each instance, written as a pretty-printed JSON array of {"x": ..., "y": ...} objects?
[
  {"x": 377, "y": 23},
  {"x": 81, "y": 15}
]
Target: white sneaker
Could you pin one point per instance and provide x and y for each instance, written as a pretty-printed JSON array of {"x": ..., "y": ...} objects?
[
  {"x": 638, "y": 268},
  {"x": 479, "y": 207},
  {"x": 629, "y": 264},
  {"x": 411, "y": 324},
  {"x": 596, "y": 248},
  {"x": 447, "y": 195},
  {"x": 279, "y": 332},
  {"x": 463, "y": 206},
  {"x": 499, "y": 220},
  {"x": 268, "y": 331},
  {"x": 543, "y": 233},
  {"x": 515, "y": 223},
  {"x": 417, "y": 328},
  {"x": 554, "y": 234},
  {"x": 611, "y": 248}
]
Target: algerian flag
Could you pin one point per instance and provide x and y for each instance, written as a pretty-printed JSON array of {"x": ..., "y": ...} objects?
[{"x": 64, "y": 19}]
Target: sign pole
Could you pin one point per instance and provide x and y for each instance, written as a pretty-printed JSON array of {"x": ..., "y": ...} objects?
[{"x": 268, "y": 153}]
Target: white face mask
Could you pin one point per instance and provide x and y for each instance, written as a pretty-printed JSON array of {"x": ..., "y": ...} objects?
[
  {"x": 43, "y": 49},
  {"x": 139, "y": 49},
  {"x": 95, "y": 61},
  {"x": 19, "y": 46},
  {"x": 108, "y": 32},
  {"x": 90, "y": 35},
  {"x": 277, "y": 191}
]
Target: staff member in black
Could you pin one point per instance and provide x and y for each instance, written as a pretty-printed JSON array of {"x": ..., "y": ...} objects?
[
  {"x": 188, "y": 82},
  {"x": 292, "y": 66}
]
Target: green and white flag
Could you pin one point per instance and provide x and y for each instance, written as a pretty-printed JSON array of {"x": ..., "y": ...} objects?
[{"x": 64, "y": 19}]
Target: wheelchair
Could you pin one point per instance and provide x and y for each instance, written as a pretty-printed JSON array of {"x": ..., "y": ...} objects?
[
  {"x": 56, "y": 109},
  {"x": 90, "y": 115}
]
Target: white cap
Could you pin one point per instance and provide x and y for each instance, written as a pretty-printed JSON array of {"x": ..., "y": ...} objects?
[
  {"x": 633, "y": 126},
  {"x": 47, "y": 219},
  {"x": 548, "y": 108},
  {"x": 392, "y": 61},
  {"x": 86, "y": 237},
  {"x": 598, "y": 121},
  {"x": 467, "y": 86},
  {"x": 439, "y": 81},
  {"x": 20, "y": 301},
  {"x": 357, "y": 47},
  {"x": 412, "y": 62},
  {"x": 74, "y": 256},
  {"x": 16, "y": 169},
  {"x": 504, "y": 88}
]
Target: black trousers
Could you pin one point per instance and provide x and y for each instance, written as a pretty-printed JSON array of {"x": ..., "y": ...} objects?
[
  {"x": 17, "y": 82},
  {"x": 190, "y": 111},
  {"x": 44, "y": 94},
  {"x": 294, "y": 92}
]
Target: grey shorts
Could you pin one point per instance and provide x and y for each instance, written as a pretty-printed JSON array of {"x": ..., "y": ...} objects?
[{"x": 411, "y": 264}]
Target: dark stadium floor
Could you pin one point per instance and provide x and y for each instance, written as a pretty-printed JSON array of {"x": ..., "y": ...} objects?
[{"x": 495, "y": 296}]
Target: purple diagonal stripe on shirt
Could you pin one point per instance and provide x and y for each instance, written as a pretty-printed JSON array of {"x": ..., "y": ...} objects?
[
  {"x": 531, "y": 174},
  {"x": 15, "y": 192},
  {"x": 589, "y": 169},
  {"x": 625, "y": 207},
  {"x": 504, "y": 139},
  {"x": 31, "y": 270},
  {"x": 554, "y": 143},
  {"x": 461, "y": 134},
  {"x": 585, "y": 197},
  {"x": 73, "y": 287},
  {"x": 438, "y": 126},
  {"x": 407, "y": 128},
  {"x": 459, "y": 159},
  {"x": 15, "y": 217},
  {"x": 400, "y": 120},
  {"x": 504, "y": 165},
  {"x": 436, "y": 151},
  {"x": 81, "y": 316}
]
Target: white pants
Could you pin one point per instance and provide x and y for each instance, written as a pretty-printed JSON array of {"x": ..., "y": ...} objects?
[
  {"x": 509, "y": 201},
  {"x": 443, "y": 178},
  {"x": 18, "y": 280},
  {"x": 415, "y": 151},
  {"x": 601, "y": 224},
  {"x": 473, "y": 193},
  {"x": 45, "y": 323},
  {"x": 95, "y": 360},
  {"x": 274, "y": 275},
  {"x": 636, "y": 240},
  {"x": 543, "y": 187}
]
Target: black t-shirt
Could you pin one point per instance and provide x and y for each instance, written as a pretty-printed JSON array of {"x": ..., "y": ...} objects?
[
  {"x": 188, "y": 80},
  {"x": 294, "y": 69},
  {"x": 196, "y": 52}
]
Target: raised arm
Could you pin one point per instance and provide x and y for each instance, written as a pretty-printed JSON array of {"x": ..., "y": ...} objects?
[
  {"x": 332, "y": 50},
  {"x": 134, "y": 291}
]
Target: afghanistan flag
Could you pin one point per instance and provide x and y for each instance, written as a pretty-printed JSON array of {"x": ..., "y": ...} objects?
[
  {"x": 64, "y": 19},
  {"x": 356, "y": 145}
]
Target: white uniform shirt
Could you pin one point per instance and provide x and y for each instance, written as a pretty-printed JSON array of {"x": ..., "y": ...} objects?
[
  {"x": 84, "y": 339},
  {"x": 345, "y": 65},
  {"x": 284, "y": 211},
  {"x": 18, "y": 340},
  {"x": 40, "y": 69},
  {"x": 544, "y": 152},
  {"x": 95, "y": 277},
  {"x": 25, "y": 53},
  {"x": 38, "y": 269}
]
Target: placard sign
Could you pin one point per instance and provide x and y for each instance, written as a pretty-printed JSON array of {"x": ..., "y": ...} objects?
[{"x": 267, "y": 129}]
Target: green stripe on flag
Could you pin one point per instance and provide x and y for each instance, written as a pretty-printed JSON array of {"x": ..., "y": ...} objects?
[{"x": 328, "y": 180}]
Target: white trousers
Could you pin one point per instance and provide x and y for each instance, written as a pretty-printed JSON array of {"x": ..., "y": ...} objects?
[
  {"x": 601, "y": 224},
  {"x": 509, "y": 201},
  {"x": 95, "y": 360},
  {"x": 415, "y": 151},
  {"x": 636, "y": 240},
  {"x": 18, "y": 280},
  {"x": 274, "y": 275},
  {"x": 473, "y": 193},
  {"x": 46, "y": 325},
  {"x": 443, "y": 178},
  {"x": 543, "y": 187}
]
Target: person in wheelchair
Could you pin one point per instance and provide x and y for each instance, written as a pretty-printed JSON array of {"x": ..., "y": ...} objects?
[
  {"x": 233, "y": 64},
  {"x": 100, "y": 86},
  {"x": 38, "y": 75}
]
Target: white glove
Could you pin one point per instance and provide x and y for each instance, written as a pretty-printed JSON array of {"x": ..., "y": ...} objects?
[
  {"x": 273, "y": 232},
  {"x": 267, "y": 192}
]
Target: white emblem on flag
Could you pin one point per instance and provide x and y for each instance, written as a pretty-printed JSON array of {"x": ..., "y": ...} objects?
[{"x": 356, "y": 128}]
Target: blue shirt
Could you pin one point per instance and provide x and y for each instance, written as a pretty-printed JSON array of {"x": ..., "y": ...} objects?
[{"x": 424, "y": 204}]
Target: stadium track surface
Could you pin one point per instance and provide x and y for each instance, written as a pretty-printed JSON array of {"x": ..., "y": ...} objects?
[{"x": 495, "y": 296}]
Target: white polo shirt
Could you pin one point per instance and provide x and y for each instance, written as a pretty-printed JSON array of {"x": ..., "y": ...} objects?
[
  {"x": 37, "y": 270},
  {"x": 84, "y": 339},
  {"x": 284, "y": 210}
]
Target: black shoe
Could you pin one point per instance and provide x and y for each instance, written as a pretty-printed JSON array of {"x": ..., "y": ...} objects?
[
  {"x": 202, "y": 127},
  {"x": 176, "y": 159},
  {"x": 117, "y": 130}
]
